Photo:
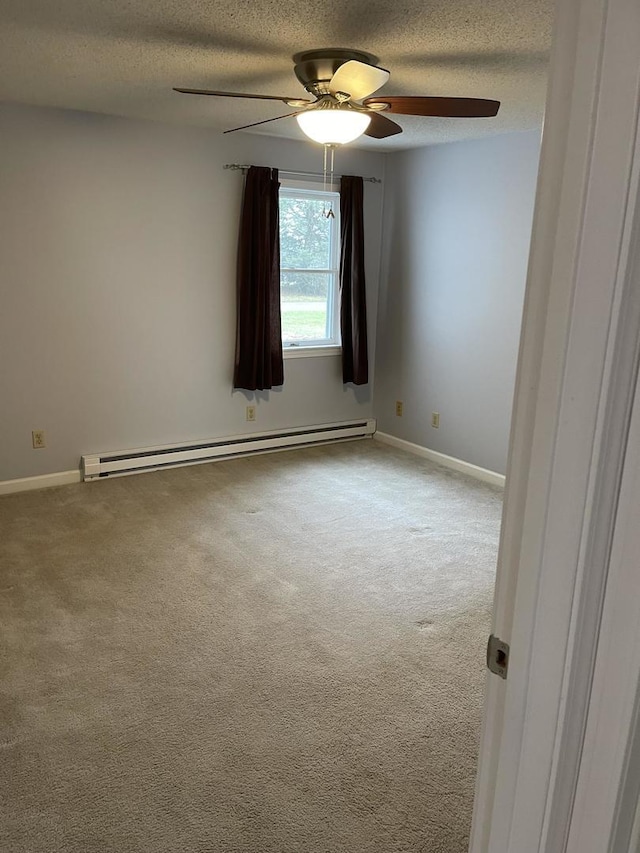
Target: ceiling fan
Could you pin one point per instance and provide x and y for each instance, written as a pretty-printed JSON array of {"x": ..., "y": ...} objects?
[{"x": 342, "y": 83}]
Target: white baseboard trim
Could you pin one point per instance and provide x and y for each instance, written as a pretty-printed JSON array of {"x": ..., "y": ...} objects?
[
  {"x": 442, "y": 459},
  {"x": 63, "y": 478},
  {"x": 44, "y": 481}
]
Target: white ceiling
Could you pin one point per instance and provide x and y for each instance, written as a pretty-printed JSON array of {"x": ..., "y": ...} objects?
[{"x": 124, "y": 56}]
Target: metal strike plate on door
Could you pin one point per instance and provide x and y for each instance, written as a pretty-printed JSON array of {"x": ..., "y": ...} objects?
[{"x": 498, "y": 656}]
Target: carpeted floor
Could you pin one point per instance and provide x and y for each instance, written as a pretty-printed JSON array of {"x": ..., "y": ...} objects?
[{"x": 281, "y": 654}]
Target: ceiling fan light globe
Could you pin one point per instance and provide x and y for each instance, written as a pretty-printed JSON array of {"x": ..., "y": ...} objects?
[{"x": 333, "y": 126}]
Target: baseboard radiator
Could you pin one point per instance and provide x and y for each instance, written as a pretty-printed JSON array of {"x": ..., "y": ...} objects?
[{"x": 123, "y": 462}]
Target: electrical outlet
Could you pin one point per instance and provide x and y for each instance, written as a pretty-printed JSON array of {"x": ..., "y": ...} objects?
[
  {"x": 37, "y": 438},
  {"x": 435, "y": 420},
  {"x": 398, "y": 408},
  {"x": 251, "y": 413}
]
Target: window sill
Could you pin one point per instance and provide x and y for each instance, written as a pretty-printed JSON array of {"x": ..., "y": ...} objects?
[{"x": 310, "y": 352}]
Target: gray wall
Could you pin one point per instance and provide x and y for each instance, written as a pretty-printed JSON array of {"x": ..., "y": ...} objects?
[
  {"x": 117, "y": 287},
  {"x": 457, "y": 225}
]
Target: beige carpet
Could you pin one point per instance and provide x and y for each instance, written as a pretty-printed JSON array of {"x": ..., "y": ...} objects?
[{"x": 266, "y": 655}]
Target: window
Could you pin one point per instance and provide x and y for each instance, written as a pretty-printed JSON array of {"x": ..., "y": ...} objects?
[{"x": 309, "y": 262}]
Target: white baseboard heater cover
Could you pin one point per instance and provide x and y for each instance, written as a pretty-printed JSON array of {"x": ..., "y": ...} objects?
[{"x": 123, "y": 462}]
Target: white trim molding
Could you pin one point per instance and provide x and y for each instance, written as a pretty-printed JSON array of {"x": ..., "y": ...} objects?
[
  {"x": 44, "y": 481},
  {"x": 311, "y": 351},
  {"x": 572, "y": 414},
  {"x": 606, "y": 804},
  {"x": 442, "y": 459}
]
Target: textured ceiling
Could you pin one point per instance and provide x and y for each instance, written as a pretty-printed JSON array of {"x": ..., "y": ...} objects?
[{"x": 123, "y": 57}]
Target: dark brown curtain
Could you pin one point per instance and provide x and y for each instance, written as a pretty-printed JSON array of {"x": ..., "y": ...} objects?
[
  {"x": 259, "y": 362},
  {"x": 353, "y": 308}
]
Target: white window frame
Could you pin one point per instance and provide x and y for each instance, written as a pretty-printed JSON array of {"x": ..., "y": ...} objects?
[{"x": 330, "y": 345}]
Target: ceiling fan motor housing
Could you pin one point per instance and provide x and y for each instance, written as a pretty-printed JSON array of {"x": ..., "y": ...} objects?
[{"x": 315, "y": 68}]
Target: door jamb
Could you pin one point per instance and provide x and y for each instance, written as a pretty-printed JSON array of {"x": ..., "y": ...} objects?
[{"x": 571, "y": 419}]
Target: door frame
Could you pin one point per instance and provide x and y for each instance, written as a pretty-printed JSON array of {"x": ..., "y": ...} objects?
[{"x": 577, "y": 372}]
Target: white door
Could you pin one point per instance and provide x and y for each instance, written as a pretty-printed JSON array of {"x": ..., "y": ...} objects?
[{"x": 572, "y": 413}]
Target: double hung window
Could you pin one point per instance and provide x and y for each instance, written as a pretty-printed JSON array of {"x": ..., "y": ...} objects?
[{"x": 309, "y": 265}]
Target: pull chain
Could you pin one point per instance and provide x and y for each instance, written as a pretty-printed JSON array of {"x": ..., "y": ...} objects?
[
  {"x": 328, "y": 162},
  {"x": 324, "y": 172}
]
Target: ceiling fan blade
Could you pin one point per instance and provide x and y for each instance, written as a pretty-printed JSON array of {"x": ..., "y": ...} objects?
[
  {"x": 291, "y": 102},
  {"x": 444, "y": 107},
  {"x": 256, "y": 123},
  {"x": 380, "y": 127},
  {"x": 358, "y": 79}
]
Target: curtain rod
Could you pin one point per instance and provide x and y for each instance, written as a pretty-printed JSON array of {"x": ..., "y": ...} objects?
[{"x": 240, "y": 167}]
